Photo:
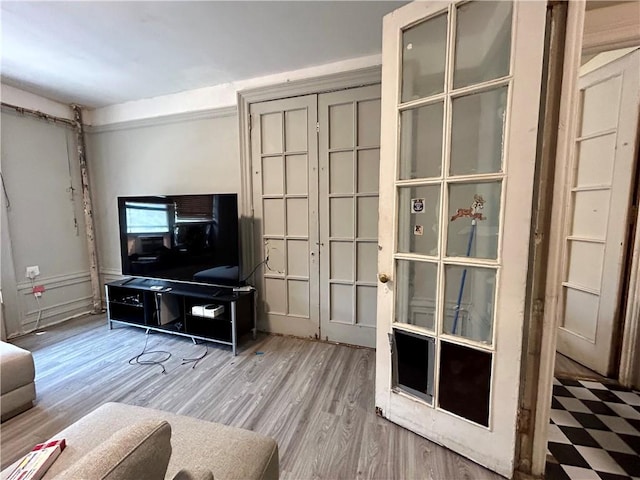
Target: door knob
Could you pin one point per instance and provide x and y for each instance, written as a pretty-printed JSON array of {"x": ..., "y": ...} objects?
[{"x": 383, "y": 277}]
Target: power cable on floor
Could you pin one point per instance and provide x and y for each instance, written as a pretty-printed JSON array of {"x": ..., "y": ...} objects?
[
  {"x": 195, "y": 360},
  {"x": 139, "y": 361}
]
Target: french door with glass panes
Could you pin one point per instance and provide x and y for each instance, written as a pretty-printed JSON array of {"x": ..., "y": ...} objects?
[{"x": 460, "y": 94}]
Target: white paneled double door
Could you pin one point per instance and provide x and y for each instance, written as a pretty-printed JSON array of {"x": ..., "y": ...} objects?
[{"x": 315, "y": 164}]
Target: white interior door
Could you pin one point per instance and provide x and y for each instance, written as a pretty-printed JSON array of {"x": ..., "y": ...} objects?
[
  {"x": 284, "y": 156},
  {"x": 349, "y": 145},
  {"x": 460, "y": 97},
  {"x": 602, "y": 166}
]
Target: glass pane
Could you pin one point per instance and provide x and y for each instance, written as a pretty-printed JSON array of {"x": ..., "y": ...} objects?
[
  {"x": 418, "y": 214},
  {"x": 477, "y": 132},
  {"x": 471, "y": 203},
  {"x": 469, "y": 298},
  {"x": 423, "y": 55},
  {"x": 416, "y": 293},
  {"x": 483, "y": 42},
  {"x": 465, "y": 382},
  {"x": 414, "y": 364},
  {"x": 421, "y": 142}
]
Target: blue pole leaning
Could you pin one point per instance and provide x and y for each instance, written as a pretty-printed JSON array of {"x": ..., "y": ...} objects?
[{"x": 463, "y": 279}]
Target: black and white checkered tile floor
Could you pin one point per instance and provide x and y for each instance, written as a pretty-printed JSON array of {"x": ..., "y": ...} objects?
[{"x": 594, "y": 432}]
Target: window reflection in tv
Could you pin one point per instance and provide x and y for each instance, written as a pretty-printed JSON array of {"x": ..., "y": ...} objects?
[{"x": 191, "y": 238}]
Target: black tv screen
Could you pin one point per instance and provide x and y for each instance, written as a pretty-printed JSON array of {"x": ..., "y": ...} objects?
[{"x": 191, "y": 238}]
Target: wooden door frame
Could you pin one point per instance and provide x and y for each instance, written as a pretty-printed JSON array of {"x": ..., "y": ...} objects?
[{"x": 565, "y": 49}]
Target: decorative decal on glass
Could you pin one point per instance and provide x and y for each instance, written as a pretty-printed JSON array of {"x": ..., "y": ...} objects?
[
  {"x": 473, "y": 229},
  {"x": 418, "y": 206}
]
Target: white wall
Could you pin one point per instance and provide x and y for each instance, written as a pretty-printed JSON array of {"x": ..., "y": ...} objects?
[
  {"x": 43, "y": 224},
  {"x": 198, "y": 155}
]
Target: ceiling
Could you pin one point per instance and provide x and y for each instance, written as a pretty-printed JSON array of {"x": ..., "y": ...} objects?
[{"x": 103, "y": 53}]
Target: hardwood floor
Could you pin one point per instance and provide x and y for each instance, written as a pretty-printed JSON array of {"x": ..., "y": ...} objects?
[{"x": 316, "y": 399}]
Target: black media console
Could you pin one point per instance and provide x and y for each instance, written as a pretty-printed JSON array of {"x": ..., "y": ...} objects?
[{"x": 206, "y": 312}]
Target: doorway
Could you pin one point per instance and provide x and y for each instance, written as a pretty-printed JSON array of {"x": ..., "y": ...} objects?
[
  {"x": 594, "y": 424},
  {"x": 314, "y": 166},
  {"x": 598, "y": 212}
]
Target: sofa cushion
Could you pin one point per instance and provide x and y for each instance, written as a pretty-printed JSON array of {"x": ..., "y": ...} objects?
[
  {"x": 16, "y": 367},
  {"x": 140, "y": 451},
  {"x": 17, "y": 401}
]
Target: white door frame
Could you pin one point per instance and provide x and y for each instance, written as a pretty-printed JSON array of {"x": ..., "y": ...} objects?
[{"x": 552, "y": 314}]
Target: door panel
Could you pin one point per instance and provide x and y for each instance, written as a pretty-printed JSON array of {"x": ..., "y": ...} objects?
[
  {"x": 349, "y": 146},
  {"x": 284, "y": 167},
  {"x": 461, "y": 85},
  {"x": 602, "y": 162}
]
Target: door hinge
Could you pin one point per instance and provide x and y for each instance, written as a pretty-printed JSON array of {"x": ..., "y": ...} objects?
[
  {"x": 524, "y": 420},
  {"x": 391, "y": 341},
  {"x": 250, "y": 121},
  {"x": 317, "y": 127}
]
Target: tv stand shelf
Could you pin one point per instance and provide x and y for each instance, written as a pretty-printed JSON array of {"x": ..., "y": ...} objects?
[{"x": 166, "y": 306}]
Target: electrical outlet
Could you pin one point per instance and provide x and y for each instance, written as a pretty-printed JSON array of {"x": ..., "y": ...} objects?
[{"x": 33, "y": 272}]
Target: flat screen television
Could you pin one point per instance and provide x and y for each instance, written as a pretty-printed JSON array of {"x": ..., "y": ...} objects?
[{"x": 189, "y": 238}]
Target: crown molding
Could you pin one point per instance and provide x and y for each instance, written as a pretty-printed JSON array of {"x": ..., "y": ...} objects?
[{"x": 165, "y": 120}]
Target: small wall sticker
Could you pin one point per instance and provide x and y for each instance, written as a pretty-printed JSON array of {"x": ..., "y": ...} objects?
[{"x": 418, "y": 230}]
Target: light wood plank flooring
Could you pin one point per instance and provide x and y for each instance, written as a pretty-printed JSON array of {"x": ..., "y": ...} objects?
[{"x": 316, "y": 399}]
